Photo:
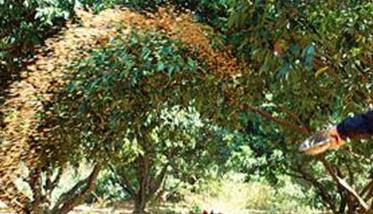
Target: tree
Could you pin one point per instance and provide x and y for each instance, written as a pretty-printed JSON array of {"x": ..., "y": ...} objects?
[
  {"x": 44, "y": 184},
  {"x": 310, "y": 66},
  {"x": 90, "y": 87},
  {"x": 175, "y": 143},
  {"x": 114, "y": 107}
]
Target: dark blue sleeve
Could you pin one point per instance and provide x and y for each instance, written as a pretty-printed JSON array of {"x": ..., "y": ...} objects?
[{"x": 360, "y": 125}]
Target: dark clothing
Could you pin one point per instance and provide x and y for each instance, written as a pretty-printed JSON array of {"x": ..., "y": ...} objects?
[{"x": 358, "y": 126}]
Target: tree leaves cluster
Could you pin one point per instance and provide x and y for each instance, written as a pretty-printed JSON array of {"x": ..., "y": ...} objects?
[
  {"x": 24, "y": 24},
  {"x": 114, "y": 110},
  {"x": 92, "y": 90},
  {"x": 310, "y": 66},
  {"x": 114, "y": 89},
  {"x": 306, "y": 64},
  {"x": 214, "y": 13}
]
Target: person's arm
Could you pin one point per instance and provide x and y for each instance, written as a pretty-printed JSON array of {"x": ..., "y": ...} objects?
[{"x": 358, "y": 126}]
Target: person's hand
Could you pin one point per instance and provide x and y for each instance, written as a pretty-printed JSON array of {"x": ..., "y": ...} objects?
[
  {"x": 335, "y": 139},
  {"x": 322, "y": 141}
]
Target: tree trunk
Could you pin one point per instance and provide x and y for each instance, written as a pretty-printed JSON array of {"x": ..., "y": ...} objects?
[
  {"x": 140, "y": 204},
  {"x": 141, "y": 195},
  {"x": 75, "y": 195}
]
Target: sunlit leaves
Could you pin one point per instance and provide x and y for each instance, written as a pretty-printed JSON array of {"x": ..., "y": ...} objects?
[
  {"x": 116, "y": 88},
  {"x": 303, "y": 59},
  {"x": 24, "y": 24}
]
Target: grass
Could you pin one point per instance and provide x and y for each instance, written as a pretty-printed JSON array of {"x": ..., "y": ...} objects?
[{"x": 232, "y": 195}]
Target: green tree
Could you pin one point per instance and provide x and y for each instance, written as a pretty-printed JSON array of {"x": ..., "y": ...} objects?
[
  {"x": 175, "y": 143},
  {"x": 114, "y": 110},
  {"x": 310, "y": 64},
  {"x": 111, "y": 88}
]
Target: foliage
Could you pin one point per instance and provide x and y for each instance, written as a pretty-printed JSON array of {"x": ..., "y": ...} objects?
[
  {"x": 212, "y": 12},
  {"x": 37, "y": 134},
  {"x": 178, "y": 148},
  {"x": 114, "y": 88},
  {"x": 25, "y": 24},
  {"x": 304, "y": 64},
  {"x": 310, "y": 66},
  {"x": 115, "y": 109},
  {"x": 255, "y": 155},
  {"x": 232, "y": 194}
]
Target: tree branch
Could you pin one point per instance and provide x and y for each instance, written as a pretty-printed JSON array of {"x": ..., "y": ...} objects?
[
  {"x": 294, "y": 116},
  {"x": 324, "y": 193},
  {"x": 122, "y": 181},
  {"x": 56, "y": 180},
  {"x": 35, "y": 185},
  {"x": 158, "y": 181},
  {"x": 265, "y": 114},
  {"x": 353, "y": 192},
  {"x": 10, "y": 195},
  {"x": 344, "y": 184},
  {"x": 366, "y": 189},
  {"x": 72, "y": 197}
]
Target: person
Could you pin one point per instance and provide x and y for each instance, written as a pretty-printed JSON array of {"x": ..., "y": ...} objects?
[{"x": 356, "y": 127}]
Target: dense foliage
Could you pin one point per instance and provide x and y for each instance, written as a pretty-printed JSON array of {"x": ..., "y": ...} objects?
[
  {"x": 124, "y": 105},
  {"x": 214, "y": 13},
  {"x": 25, "y": 24},
  {"x": 114, "y": 90},
  {"x": 311, "y": 64},
  {"x": 153, "y": 86}
]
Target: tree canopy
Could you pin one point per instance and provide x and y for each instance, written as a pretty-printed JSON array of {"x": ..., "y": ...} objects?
[{"x": 150, "y": 89}]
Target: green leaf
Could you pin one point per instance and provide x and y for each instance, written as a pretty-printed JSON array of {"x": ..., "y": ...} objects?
[
  {"x": 309, "y": 53},
  {"x": 161, "y": 66}
]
